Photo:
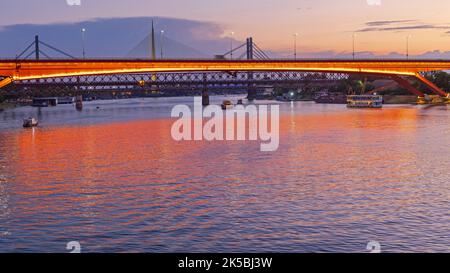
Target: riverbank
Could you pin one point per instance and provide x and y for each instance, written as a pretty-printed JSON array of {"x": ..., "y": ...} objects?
[
  {"x": 400, "y": 99},
  {"x": 388, "y": 99},
  {"x": 7, "y": 105}
]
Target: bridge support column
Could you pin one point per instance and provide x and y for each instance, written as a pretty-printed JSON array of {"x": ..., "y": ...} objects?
[
  {"x": 406, "y": 84},
  {"x": 432, "y": 86},
  {"x": 79, "y": 103},
  {"x": 251, "y": 93},
  {"x": 5, "y": 82},
  {"x": 205, "y": 97}
]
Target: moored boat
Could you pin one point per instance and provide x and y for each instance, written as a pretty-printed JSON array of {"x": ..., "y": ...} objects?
[
  {"x": 365, "y": 101},
  {"x": 226, "y": 104},
  {"x": 30, "y": 122}
]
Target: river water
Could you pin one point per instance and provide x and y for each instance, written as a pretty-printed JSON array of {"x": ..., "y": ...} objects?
[{"x": 112, "y": 178}]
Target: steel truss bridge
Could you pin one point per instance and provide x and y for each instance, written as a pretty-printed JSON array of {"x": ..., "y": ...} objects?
[
  {"x": 94, "y": 71},
  {"x": 221, "y": 72},
  {"x": 188, "y": 80}
]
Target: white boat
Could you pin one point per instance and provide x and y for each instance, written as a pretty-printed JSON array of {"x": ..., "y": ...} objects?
[
  {"x": 30, "y": 122},
  {"x": 365, "y": 101}
]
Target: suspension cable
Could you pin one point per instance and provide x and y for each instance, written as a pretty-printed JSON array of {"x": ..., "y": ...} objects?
[
  {"x": 43, "y": 53},
  {"x": 233, "y": 50},
  {"x": 57, "y": 50},
  {"x": 23, "y": 52}
]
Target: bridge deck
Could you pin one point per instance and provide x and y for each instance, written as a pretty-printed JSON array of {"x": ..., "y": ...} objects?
[{"x": 37, "y": 69}]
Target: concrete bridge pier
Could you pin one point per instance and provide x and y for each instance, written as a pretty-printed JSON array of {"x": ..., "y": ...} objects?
[
  {"x": 205, "y": 97},
  {"x": 79, "y": 102},
  {"x": 251, "y": 93}
]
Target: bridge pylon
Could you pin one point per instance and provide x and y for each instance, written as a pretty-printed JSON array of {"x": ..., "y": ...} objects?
[
  {"x": 251, "y": 92},
  {"x": 36, "y": 47}
]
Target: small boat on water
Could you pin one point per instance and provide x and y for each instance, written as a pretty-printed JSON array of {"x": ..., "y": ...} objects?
[
  {"x": 433, "y": 100},
  {"x": 239, "y": 102},
  {"x": 30, "y": 122},
  {"x": 40, "y": 103},
  {"x": 226, "y": 104},
  {"x": 364, "y": 101},
  {"x": 330, "y": 98}
]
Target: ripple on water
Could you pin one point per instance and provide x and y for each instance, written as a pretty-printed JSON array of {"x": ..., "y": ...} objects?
[{"x": 339, "y": 180}]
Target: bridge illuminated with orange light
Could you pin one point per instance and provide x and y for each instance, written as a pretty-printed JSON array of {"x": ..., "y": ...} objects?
[{"x": 13, "y": 70}]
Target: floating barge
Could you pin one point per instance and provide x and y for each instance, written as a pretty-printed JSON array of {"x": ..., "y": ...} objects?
[{"x": 364, "y": 101}]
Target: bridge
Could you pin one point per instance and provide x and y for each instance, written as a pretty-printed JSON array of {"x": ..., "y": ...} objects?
[
  {"x": 14, "y": 70},
  {"x": 188, "y": 81},
  {"x": 127, "y": 72}
]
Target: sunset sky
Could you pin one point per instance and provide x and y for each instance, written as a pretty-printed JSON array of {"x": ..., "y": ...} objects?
[{"x": 323, "y": 25}]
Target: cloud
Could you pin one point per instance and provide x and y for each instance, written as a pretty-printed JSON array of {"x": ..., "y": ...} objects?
[
  {"x": 304, "y": 9},
  {"x": 384, "y": 23},
  {"x": 399, "y": 28},
  {"x": 373, "y": 2},
  {"x": 117, "y": 37},
  {"x": 330, "y": 54},
  {"x": 128, "y": 37},
  {"x": 401, "y": 25}
]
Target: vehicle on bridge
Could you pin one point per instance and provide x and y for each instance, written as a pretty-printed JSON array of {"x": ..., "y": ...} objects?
[{"x": 365, "y": 101}]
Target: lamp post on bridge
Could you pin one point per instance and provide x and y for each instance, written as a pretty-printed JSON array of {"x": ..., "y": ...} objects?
[
  {"x": 295, "y": 45},
  {"x": 353, "y": 39},
  {"x": 407, "y": 46},
  {"x": 83, "y": 31},
  {"x": 231, "y": 45},
  {"x": 162, "y": 43}
]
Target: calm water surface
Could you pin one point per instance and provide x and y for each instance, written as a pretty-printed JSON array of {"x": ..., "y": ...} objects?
[{"x": 113, "y": 179}]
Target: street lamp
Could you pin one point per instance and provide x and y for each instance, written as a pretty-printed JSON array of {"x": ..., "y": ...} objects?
[
  {"x": 162, "y": 43},
  {"x": 231, "y": 44},
  {"x": 83, "y": 31},
  {"x": 353, "y": 37},
  {"x": 295, "y": 45},
  {"x": 407, "y": 46}
]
